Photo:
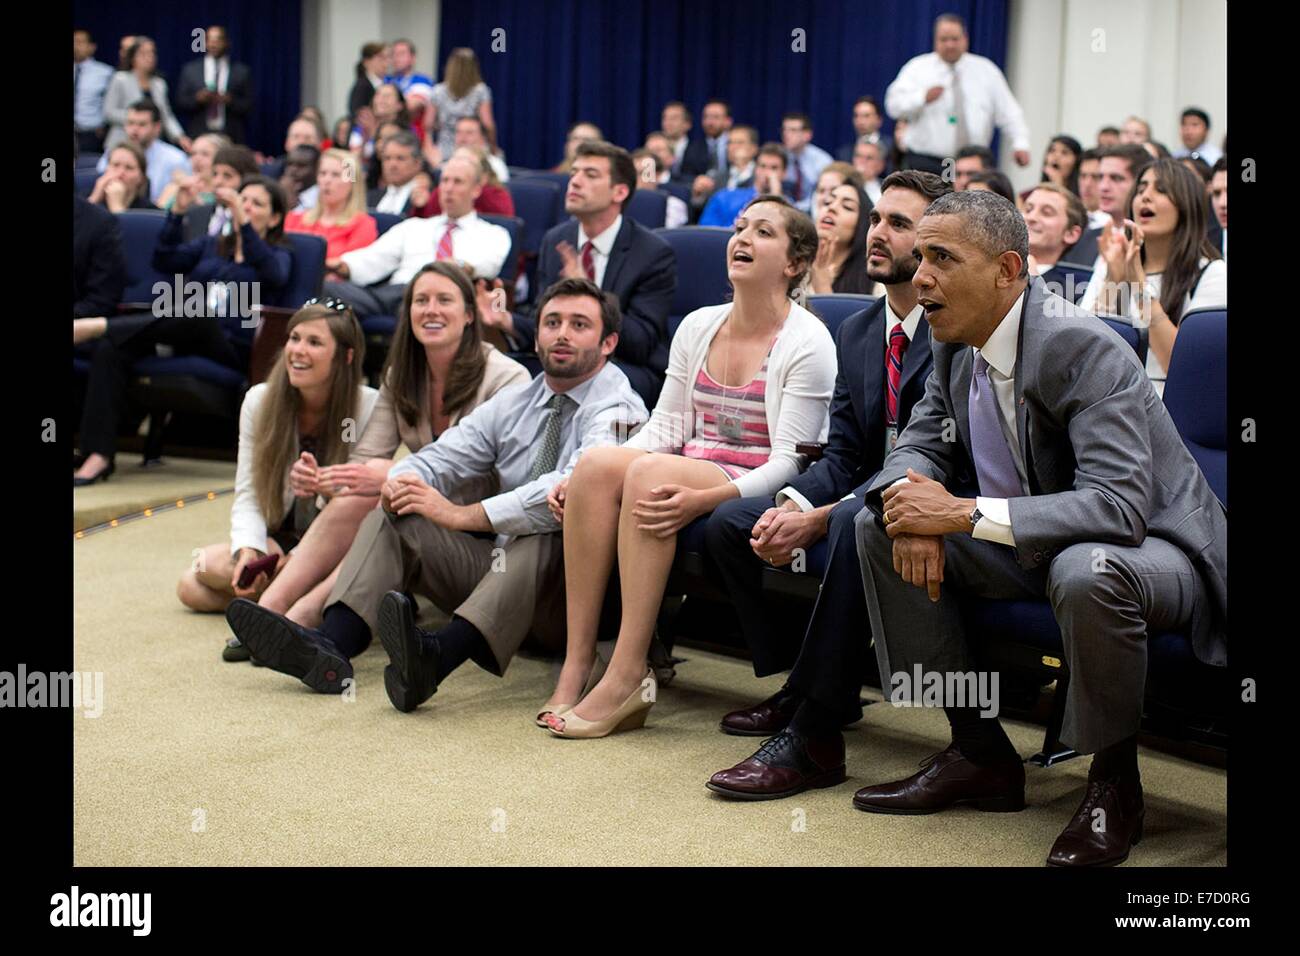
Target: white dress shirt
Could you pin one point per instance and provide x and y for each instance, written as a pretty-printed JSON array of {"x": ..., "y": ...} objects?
[
  {"x": 601, "y": 246},
  {"x": 1097, "y": 219},
  {"x": 1001, "y": 351},
  {"x": 986, "y": 98},
  {"x": 394, "y": 198},
  {"x": 872, "y": 189},
  {"x": 737, "y": 176},
  {"x": 216, "y": 76},
  {"x": 404, "y": 249},
  {"x": 909, "y": 324}
]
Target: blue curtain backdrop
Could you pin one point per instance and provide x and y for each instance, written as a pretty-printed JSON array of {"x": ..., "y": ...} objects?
[
  {"x": 616, "y": 62},
  {"x": 266, "y": 36}
]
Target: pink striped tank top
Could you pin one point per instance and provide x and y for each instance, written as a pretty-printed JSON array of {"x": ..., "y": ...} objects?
[{"x": 730, "y": 422}]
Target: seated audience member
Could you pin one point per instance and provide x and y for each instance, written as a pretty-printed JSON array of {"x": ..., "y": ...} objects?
[
  {"x": 253, "y": 252},
  {"x": 370, "y": 69},
  {"x": 461, "y": 93},
  {"x": 748, "y": 380},
  {"x": 806, "y": 159},
  {"x": 386, "y": 106},
  {"x": 202, "y": 153},
  {"x": 709, "y": 151},
  {"x": 1055, "y": 219},
  {"x": 675, "y": 122},
  {"x": 867, "y": 121},
  {"x": 579, "y": 132},
  {"x": 994, "y": 181},
  {"x": 1107, "y": 137},
  {"x": 842, "y": 223},
  {"x": 869, "y": 161},
  {"x": 314, "y": 116},
  {"x": 1200, "y": 167},
  {"x": 143, "y": 126},
  {"x": 471, "y": 132},
  {"x": 373, "y": 279},
  {"x": 969, "y": 161},
  {"x": 438, "y": 370},
  {"x": 1118, "y": 170},
  {"x": 1135, "y": 130},
  {"x": 230, "y": 166},
  {"x": 493, "y": 198},
  {"x": 527, "y": 437},
  {"x": 1219, "y": 201},
  {"x": 1060, "y": 164},
  {"x": 343, "y": 130},
  {"x": 303, "y": 131},
  {"x": 400, "y": 156},
  {"x": 649, "y": 170},
  {"x": 1089, "y": 181},
  {"x": 834, "y": 175},
  {"x": 339, "y": 216},
  {"x": 1034, "y": 533},
  {"x": 299, "y": 413},
  {"x": 618, "y": 254},
  {"x": 125, "y": 182},
  {"x": 1156, "y": 150},
  {"x": 769, "y": 174},
  {"x": 742, "y": 149},
  {"x": 98, "y": 265},
  {"x": 1165, "y": 266},
  {"x": 1194, "y": 131},
  {"x": 884, "y": 361},
  {"x": 140, "y": 82},
  {"x": 301, "y": 189},
  {"x": 658, "y": 145}
]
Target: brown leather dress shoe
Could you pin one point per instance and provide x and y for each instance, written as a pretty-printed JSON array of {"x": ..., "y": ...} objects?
[
  {"x": 787, "y": 764},
  {"x": 1106, "y": 825},
  {"x": 764, "y": 719},
  {"x": 949, "y": 779}
]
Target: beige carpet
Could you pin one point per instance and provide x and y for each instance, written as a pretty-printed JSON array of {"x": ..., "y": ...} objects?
[
  {"x": 132, "y": 489},
  {"x": 195, "y": 761}
]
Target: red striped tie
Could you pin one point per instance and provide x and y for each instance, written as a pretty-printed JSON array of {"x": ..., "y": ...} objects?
[
  {"x": 588, "y": 263},
  {"x": 894, "y": 372},
  {"x": 444, "y": 244}
]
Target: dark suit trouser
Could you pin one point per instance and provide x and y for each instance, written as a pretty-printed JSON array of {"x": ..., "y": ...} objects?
[
  {"x": 1105, "y": 597},
  {"x": 505, "y": 595},
  {"x": 367, "y": 300}
]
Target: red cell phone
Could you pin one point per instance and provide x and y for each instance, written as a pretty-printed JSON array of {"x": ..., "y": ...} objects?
[{"x": 253, "y": 568}]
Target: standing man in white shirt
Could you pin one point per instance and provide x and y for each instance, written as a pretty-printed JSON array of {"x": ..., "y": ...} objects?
[
  {"x": 952, "y": 98},
  {"x": 1194, "y": 131},
  {"x": 398, "y": 254},
  {"x": 216, "y": 92}
]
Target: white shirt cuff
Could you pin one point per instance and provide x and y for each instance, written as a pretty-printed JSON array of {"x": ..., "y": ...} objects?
[
  {"x": 789, "y": 494},
  {"x": 995, "y": 521}
]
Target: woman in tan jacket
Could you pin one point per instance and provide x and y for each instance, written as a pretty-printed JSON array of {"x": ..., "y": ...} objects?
[{"x": 438, "y": 370}]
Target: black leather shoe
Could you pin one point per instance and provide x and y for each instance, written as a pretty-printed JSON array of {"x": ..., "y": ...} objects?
[
  {"x": 289, "y": 648},
  {"x": 101, "y": 475},
  {"x": 234, "y": 651},
  {"x": 412, "y": 677},
  {"x": 948, "y": 779},
  {"x": 1107, "y": 824},
  {"x": 787, "y": 764},
  {"x": 764, "y": 719}
]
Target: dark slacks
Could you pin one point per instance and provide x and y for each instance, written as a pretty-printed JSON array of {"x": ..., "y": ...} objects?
[
  {"x": 367, "y": 300},
  {"x": 1106, "y": 599},
  {"x": 128, "y": 339}
]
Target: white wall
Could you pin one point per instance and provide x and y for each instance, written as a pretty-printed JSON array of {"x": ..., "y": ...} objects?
[
  {"x": 334, "y": 30},
  {"x": 1078, "y": 65}
]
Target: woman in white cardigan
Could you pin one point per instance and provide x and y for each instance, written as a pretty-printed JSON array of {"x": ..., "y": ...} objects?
[
  {"x": 746, "y": 382},
  {"x": 314, "y": 406},
  {"x": 133, "y": 83}
]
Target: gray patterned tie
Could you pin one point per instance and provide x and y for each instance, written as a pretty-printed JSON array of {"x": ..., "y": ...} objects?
[{"x": 549, "y": 453}]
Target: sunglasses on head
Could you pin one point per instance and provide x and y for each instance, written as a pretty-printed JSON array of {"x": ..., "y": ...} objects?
[{"x": 338, "y": 305}]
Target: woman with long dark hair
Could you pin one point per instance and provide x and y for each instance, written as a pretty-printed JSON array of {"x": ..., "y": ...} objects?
[
  {"x": 438, "y": 370},
  {"x": 313, "y": 403},
  {"x": 843, "y": 219},
  {"x": 1061, "y": 162},
  {"x": 1160, "y": 265}
]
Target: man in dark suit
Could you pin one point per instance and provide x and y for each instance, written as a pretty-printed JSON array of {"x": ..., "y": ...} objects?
[
  {"x": 215, "y": 92},
  {"x": 98, "y": 264},
  {"x": 704, "y": 165},
  {"x": 1018, "y": 478},
  {"x": 884, "y": 360},
  {"x": 619, "y": 255}
]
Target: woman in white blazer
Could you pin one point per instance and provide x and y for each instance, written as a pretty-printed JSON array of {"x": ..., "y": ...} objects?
[
  {"x": 438, "y": 370},
  {"x": 312, "y": 409},
  {"x": 746, "y": 382}
]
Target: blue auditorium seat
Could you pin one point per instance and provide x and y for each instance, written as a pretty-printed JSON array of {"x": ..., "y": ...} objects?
[
  {"x": 560, "y": 180},
  {"x": 83, "y": 181},
  {"x": 1196, "y": 392},
  {"x": 834, "y": 308},
  {"x": 701, "y": 269},
  {"x": 540, "y": 204},
  {"x": 680, "y": 190},
  {"x": 649, "y": 207},
  {"x": 87, "y": 160},
  {"x": 384, "y": 220},
  {"x": 1135, "y": 337},
  {"x": 1069, "y": 279},
  {"x": 140, "y": 231},
  {"x": 515, "y": 226}
]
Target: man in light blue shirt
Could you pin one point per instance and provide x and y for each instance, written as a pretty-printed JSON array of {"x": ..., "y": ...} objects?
[
  {"x": 495, "y": 564},
  {"x": 89, "y": 84},
  {"x": 144, "y": 127},
  {"x": 806, "y": 160}
]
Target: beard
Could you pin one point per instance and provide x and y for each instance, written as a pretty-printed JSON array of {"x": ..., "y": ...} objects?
[
  {"x": 895, "y": 273},
  {"x": 582, "y": 363}
]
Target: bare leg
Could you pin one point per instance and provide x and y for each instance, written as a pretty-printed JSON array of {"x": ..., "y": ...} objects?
[
  {"x": 319, "y": 552},
  {"x": 206, "y": 586},
  {"x": 590, "y": 519},
  {"x": 309, "y": 609},
  {"x": 93, "y": 465},
  {"x": 644, "y": 562},
  {"x": 86, "y": 330}
]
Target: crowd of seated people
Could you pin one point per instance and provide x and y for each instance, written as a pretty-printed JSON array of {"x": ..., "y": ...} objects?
[{"x": 332, "y": 537}]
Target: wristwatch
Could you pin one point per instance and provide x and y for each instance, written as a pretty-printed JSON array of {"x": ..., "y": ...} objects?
[{"x": 975, "y": 516}]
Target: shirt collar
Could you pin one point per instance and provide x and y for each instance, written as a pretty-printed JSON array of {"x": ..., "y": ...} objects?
[
  {"x": 463, "y": 221},
  {"x": 910, "y": 321},
  {"x": 578, "y": 394},
  {"x": 1002, "y": 346},
  {"x": 604, "y": 242}
]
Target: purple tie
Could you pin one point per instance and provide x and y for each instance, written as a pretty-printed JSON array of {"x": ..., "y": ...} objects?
[{"x": 993, "y": 462}]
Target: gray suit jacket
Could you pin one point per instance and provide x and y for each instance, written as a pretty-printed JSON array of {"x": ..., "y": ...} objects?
[{"x": 1104, "y": 460}]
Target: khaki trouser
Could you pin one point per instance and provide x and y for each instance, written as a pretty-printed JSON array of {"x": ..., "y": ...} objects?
[{"x": 506, "y": 593}]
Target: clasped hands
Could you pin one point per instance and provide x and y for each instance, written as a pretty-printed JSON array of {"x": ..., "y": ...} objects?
[
  {"x": 917, "y": 514},
  {"x": 308, "y": 479}
]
